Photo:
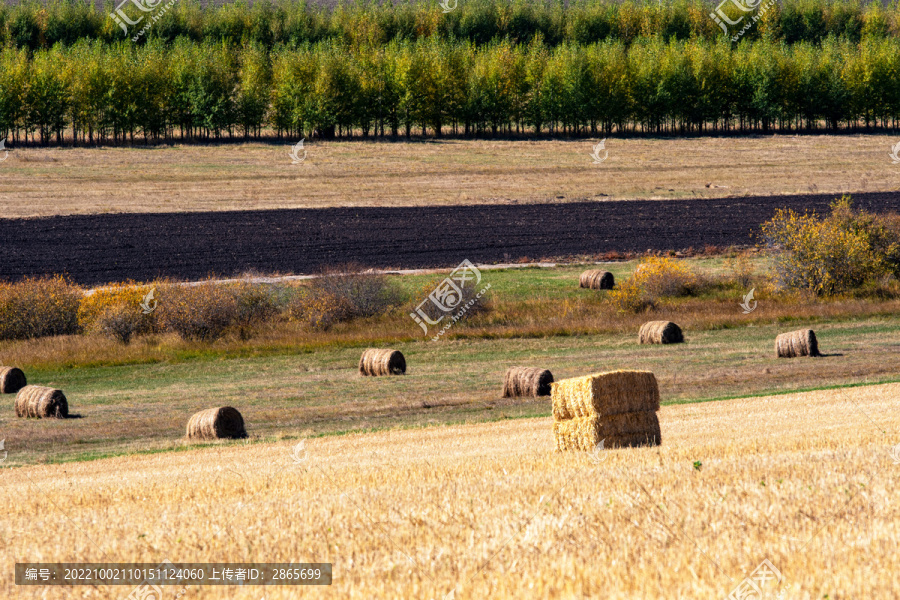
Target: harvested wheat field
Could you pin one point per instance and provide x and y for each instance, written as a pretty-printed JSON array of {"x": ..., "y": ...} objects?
[
  {"x": 491, "y": 511},
  {"x": 435, "y": 173}
]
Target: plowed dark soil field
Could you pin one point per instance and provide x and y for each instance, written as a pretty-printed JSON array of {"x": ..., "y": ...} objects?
[{"x": 98, "y": 249}]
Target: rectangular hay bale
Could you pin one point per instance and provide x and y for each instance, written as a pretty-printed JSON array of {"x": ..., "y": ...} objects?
[
  {"x": 603, "y": 394},
  {"x": 627, "y": 429}
]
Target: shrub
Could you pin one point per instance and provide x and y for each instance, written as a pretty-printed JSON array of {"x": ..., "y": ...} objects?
[
  {"x": 37, "y": 307},
  {"x": 881, "y": 231},
  {"x": 318, "y": 309},
  {"x": 119, "y": 321},
  {"x": 116, "y": 311},
  {"x": 340, "y": 295},
  {"x": 831, "y": 255},
  {"x": 653, "y": 279},
  {"x": 629, "y": 297},
  {"x": 255, "y": 304},
  {"x": 202, "y": 312},
  {"x": 740, "y": 269}
]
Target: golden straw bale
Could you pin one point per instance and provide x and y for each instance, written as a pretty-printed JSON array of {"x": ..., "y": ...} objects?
[
  {"x": 376, "y": 361},
  {"x": 527, "y": 381},
  {"x": 597, "y": 280},
  {"x": 216, "y": 423},
  {"x": 604, "y": 394},
  {"x": 11, "y": 380},
  {"x": 41, "y": 402},
  {"x": 797, "y": 343},
  {"x": 628, "y": 429},
  {"x": 660, "y": 332}
]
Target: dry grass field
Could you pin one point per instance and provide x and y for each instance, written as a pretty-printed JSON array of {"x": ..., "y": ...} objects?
[
  {"x": 806, "y": 481},
  {"x": 143, "y": 403},
  {"x": 40, "y": 182}
]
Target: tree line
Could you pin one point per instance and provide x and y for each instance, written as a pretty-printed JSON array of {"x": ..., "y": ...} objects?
[
  {"x": 92, "y": 93},
  {"x": 33, "y": 24}
]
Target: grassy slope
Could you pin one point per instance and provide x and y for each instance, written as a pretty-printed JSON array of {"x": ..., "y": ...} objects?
[{"x": 257, "y": 176}]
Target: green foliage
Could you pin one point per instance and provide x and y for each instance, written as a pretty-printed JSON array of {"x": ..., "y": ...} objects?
[
  {"x": 835, "y": 254},
  {"x": 102, "y": 93},
  {"x": 33, "y": 25}
]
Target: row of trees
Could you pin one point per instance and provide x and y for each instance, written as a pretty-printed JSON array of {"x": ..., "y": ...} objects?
[
  {"x": 94, "y": 93},
  {"x": 33, "y": 24}
]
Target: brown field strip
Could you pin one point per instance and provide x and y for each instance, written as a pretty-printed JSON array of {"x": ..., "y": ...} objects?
[
  {"x": 96, "y": 249},
  {"x": 58, "y": 181},
  {"x": 806, "y": 481}
]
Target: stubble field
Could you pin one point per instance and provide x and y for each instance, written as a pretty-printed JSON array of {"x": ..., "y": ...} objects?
[
  {"x": 805, "y": 481},
  {"x": 61, "y": 181}
]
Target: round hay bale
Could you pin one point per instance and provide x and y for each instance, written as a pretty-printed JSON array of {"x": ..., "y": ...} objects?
[
  {"x": 660, "y": 332},
  {"x": 526, "y": 381},
  {"x": 11, "y": 380},
  {"x": 597, "y": 280},
  {"x": 797, "y": 343},
  {"x": 216, "y": 424},
  {"x": 41, "y": 402},
  {"x": 377, "y": 361}
]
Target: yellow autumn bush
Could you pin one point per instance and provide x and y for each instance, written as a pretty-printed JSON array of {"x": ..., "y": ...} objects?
[
  {"x": 833, "y": 254},
  {"x": 653, "y": 279},
  {"x": 319, "y": 309},
  {"x": 117, "y": 311}
]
